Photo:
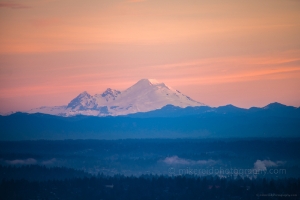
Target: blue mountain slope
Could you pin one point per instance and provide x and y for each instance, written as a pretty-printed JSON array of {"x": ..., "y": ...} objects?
[
  {"x": 169, "y": 122},
  {"x": 273, "y": 109}
]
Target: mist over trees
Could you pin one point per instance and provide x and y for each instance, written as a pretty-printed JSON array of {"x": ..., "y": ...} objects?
[{"x": 76, "y": 185}]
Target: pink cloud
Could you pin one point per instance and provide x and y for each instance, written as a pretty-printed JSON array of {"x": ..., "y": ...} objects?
[
  {"x": 135, "y": 1},
  {"x": 45, "y": 22},
  {"x": 13, "y": 5}
]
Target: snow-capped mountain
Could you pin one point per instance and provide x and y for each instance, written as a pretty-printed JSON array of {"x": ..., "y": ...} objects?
[{"x": 144, "y": 96}]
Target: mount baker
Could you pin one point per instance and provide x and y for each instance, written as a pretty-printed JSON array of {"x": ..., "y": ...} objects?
[{"x": 146, "y": 95}]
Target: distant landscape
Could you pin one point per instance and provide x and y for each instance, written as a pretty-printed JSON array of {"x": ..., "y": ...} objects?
[
  {"x": 149, "y": 99},
  {"x": 150, "y": 168},
  {"x": 154, "y": 138},
  {"x": 273, "y": 120}
]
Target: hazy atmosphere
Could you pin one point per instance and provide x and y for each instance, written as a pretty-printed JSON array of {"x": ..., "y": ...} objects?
[
  {"x": 150, "y": 99},
  {"x": 244, "y": 53}
]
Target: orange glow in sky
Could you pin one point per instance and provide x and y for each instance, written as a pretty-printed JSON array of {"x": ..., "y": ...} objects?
[{"x": 245, "y": 53}]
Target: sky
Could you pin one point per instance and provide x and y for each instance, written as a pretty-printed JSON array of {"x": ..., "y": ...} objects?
[{"x": 245, "y": 53}]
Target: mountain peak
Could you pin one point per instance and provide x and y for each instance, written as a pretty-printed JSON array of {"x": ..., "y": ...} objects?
[
  {"x": 154, "y": 81},
  {"x": 277, "y": 106},
  {"x": 274, "y": 105},
  {"x": 150, "y": 81},
  {"x": 80, "y": 100},
  {"x": 110, "y": 92},
  {"x": 84, "y": 93},
  {"x": 145, "y": 95}
]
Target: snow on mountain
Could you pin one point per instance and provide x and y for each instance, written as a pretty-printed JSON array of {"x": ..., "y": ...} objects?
[
  {"x": 82, "y": 102},
  {"x": 145, "y": 95},
  {"x": 54, "y": 110}
]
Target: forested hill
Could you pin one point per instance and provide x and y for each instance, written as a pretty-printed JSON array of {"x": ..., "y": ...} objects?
[{"x": 143, "y": 187}]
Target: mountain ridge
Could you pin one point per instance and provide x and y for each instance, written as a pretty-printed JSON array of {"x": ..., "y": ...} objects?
[
  {"x": 174, "y": 111},
  {"x": 143, "y": 96},
  {"x": 168, "y": 122}
]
